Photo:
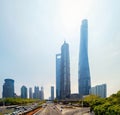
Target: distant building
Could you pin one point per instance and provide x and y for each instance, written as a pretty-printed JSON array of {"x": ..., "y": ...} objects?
[
  {"x": 30, "y": 93},
  {"x": 42, "y": 93},
  {"x": 8, "y": 88},
  {"x": 23, "y": 92},
  {"x": 99, "y": 90},
  {"x": 52, "y": 93},
  {"x": 75, "y": 96},
  {"x": 84, "y": 80},
  {"x": 36, "y": 94},
  {"x": 17, "y": 96},
  {"x": 58, "y": 73}
]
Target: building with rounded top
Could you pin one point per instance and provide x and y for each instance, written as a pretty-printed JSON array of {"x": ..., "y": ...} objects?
[{"x": 8, "y": 88}]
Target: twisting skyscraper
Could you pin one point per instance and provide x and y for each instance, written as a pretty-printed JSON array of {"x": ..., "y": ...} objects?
[
  {"x": 63, "y": 73},
  {"x": 83, "y": 66}
]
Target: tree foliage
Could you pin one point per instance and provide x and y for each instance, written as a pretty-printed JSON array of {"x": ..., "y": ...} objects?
[
  {"x": 104, "y": 106},
  {"x": 17, "y": 101}
]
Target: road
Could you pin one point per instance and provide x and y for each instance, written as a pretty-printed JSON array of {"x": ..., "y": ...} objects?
[
  {"x": 52, "y": 109},
  {"x": 78, "y": 111}
]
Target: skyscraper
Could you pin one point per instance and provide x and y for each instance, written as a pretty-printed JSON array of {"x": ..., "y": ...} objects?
[
  {"x": 83, "y": 66},
  {"x": 99, "y": 90},
  {"x": 65, "y": 72},
  {"x": 8, "y": 88},
  {"x": 42, "y": 93},
  {"x": 58, "y": 73},
  {"x": 23, "y": 92},
  {"x": 30, "y": 93},
  {"x": 52, "y": 93},
  {"x": 36, "y": 94}
]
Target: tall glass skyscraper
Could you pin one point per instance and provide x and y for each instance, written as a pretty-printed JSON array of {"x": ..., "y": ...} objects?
[
  {"x": 83, "y": 66},
  {"x": 58, "y": 73},
  {"x": 23, "y": 92},
  {"x": 65, "y": 72},
  {"x": 42, "y": 93},
  {"x": 8, "y": 88},
  {"x": 36, "y": 94},
  {"x": 52, "y": 92},
  {"x": 30, "y": 93}
]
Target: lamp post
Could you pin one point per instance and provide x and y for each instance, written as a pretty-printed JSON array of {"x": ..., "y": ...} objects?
[
  {"x": 81, "y": 104},
  {"x": 82, "y": 101}
]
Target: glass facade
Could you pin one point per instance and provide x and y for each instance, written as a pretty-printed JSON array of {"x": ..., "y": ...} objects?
[
  {"x": 30, "y": 93},
  {"x": 23, "y": 92},
  {"x": 8, "y": 88},
  {"x": 99, "y": 90},
  {"x": 52, "y": 93},
  {"x": 65, "y": 72},
  {"x": 83, "y": 66},
  {"x": 58, "y": 73}
]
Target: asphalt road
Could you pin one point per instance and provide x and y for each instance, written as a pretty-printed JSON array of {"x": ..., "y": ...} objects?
[
  {"x": 81, "y": 111},
  {"x": 52, "y": 109}
]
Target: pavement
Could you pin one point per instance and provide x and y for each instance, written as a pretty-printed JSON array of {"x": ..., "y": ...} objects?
[
  {"x": 88, "y": 114},
  {"x": 50, "y": 109}
]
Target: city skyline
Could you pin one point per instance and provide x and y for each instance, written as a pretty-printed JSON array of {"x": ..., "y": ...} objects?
[
  {"x": 25, "y": 92},
  {"x": 31, "y": 33}
]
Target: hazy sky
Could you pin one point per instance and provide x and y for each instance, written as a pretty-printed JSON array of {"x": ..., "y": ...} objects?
[{"x": 32, "y": 32}]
